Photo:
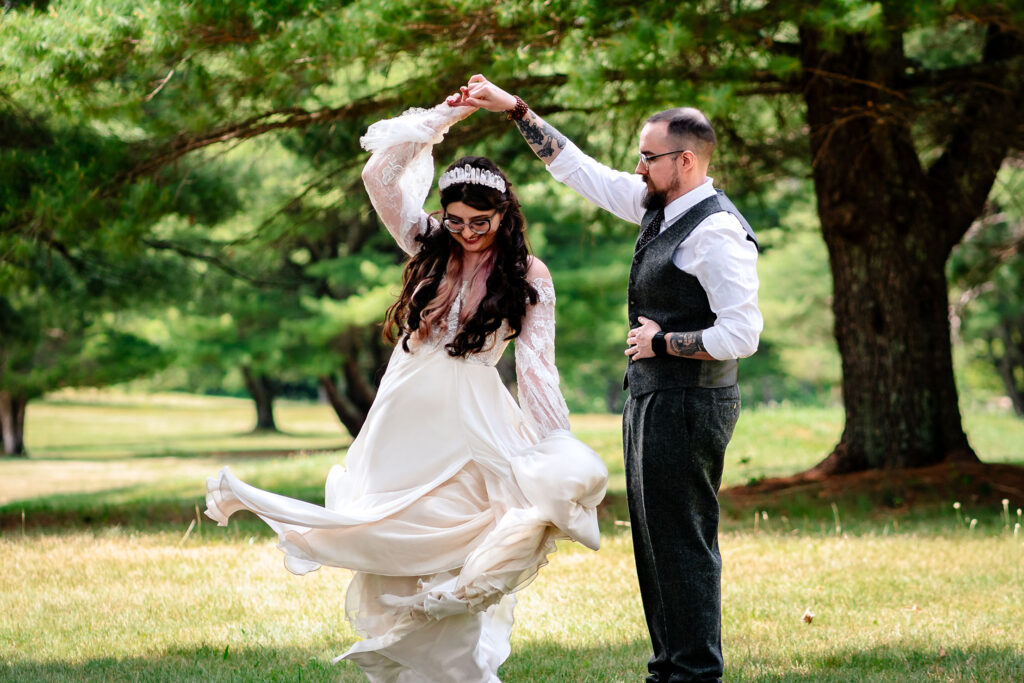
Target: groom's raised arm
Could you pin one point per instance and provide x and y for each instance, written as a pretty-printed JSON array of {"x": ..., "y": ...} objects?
[
  {"x": 615, "y": 191},
  {"x": 546, "y": 142}
]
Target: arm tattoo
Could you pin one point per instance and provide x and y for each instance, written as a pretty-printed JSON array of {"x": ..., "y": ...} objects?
[
  {"x": 686, "y": 343},
  {"x": 541, "y": 136}
]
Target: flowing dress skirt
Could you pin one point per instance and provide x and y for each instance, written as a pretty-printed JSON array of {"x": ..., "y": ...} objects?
[{"x": 448, "y": 503}]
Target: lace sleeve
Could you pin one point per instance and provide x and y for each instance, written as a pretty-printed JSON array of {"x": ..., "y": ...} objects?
[
  {"x": 539, "y": 395},
  {"x": 400, "y": 171}
]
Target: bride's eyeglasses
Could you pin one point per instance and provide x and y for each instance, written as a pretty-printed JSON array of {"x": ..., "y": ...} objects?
[{"x": 478, "y": 226}]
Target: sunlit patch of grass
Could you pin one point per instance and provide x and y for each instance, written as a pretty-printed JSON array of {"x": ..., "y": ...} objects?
[
  {"x": 218, "y": 605},
  {"x": 115, "y": 578},
  {"x": 94, "y": 425},
  {"x": 909, "y": 608},
  {"x": 775, "y": 441},
  {"x": 120, "y": 606},
  {"x": 996, "y": 436}
]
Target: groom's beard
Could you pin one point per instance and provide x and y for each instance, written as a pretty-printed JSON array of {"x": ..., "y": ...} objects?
[{"x": 655, "y": 198}]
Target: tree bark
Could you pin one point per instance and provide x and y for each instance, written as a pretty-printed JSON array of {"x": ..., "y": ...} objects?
[
  {"x": 888, "y": 235},
  {"x": 261, "y": 389},
  {"x": 12, "y": 423}
]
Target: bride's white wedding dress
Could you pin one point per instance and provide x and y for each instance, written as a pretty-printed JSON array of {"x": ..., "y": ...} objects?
[{"x": 452, "y": 495}]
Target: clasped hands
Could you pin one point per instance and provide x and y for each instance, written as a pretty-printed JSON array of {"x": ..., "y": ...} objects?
[
  {"x": 639, "y": 339},
  {"x": 480, "y": 93}
]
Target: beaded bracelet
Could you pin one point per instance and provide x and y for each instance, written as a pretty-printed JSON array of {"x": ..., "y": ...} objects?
[{"x": 517, "y": 112}]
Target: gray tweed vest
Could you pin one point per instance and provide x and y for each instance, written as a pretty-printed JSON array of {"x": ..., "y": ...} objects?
[{"x": 675, "y": 300}]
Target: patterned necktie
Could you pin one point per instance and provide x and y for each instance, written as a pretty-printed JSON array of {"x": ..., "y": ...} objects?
[{"x": 651, "y": 231}]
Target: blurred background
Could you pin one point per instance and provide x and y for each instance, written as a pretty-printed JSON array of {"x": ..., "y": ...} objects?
[
  {"x": 192, "y": 276},
  {"x": 182, "y": 209}
]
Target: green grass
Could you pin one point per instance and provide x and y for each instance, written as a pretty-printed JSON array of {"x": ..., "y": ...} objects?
[
  {"x": 104, "y": 425},
  {"x": 105, "y": 581}
]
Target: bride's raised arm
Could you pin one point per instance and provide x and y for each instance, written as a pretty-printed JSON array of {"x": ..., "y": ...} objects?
[{"x": 400, "y": 173}]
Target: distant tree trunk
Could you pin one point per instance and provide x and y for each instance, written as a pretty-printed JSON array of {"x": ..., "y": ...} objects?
[
  {"x": 360, "y": 391},
  {"x": 889, "y": 226},
  {"x": 350, "y": 416},
  {"x": 261, "y": 389},
  {"x": 12, "y": 423},
  {"x": 613, "y": 396},
  {"x": 353, "y": 391},
  {"x": 1009, "y": 361},
  {"x": 508, "y": 373}
]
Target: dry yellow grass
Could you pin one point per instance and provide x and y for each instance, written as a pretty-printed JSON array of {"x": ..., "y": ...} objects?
[
  {"x": 220, "y": 606},
  {"x": 103, "y": 603}
]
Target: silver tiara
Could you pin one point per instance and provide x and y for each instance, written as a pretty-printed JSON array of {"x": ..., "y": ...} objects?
[{"x": 471, "y": 174}]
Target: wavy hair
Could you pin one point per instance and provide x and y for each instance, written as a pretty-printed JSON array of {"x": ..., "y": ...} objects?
[{"x": 433, "y": 276}]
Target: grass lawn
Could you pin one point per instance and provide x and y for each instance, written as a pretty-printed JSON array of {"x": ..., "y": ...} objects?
[{"x": 103, "y": 579}]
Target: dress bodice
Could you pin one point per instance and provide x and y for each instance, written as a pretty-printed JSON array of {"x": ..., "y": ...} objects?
[
  {"x": 442, "y": 335},
  {"x": 398, "y": 177}
]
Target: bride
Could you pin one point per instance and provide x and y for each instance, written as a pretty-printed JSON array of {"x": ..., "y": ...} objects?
[{"x": 452, "y": 494}]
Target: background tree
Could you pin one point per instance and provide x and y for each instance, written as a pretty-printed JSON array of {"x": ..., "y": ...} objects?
[
  {"x": 910, "y": 111},
  {"x": 70, "y": 266},
  {"x": 901, "y": 113},
  {"x": 987, "y": 270}
]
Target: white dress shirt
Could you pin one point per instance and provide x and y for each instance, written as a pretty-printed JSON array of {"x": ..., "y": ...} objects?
[{"x": 717, "y": 252}]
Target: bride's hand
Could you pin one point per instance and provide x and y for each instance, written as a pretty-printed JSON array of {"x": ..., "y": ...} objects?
[
  {"x": 457, "y": 101},
  {"x": 480, "y": 92}
]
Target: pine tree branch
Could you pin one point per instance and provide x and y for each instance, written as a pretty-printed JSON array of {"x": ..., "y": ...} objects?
[
  {"x": 987, "y": 125},
  {"x": 978, "y": 74},
  {"x": 296, "y": 117},
  {"x": 219, "y": 262}
]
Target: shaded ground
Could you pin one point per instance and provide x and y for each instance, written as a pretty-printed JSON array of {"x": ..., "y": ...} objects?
[
  {"x": 864, "y": 499},
  {"x": 939, "y": 499},
  {"x": 977, "y": 483}
]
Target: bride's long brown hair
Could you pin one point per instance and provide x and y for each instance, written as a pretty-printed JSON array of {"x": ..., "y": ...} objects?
[{"x": 433, "y": 276}]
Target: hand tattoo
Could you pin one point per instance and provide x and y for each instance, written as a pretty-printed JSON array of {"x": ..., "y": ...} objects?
[
  {"x": 541, "y": 135},
  {"x": 686, "y": 343}
]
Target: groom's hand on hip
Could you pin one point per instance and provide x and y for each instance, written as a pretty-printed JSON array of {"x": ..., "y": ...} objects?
[{"x": 638, "y": 341}]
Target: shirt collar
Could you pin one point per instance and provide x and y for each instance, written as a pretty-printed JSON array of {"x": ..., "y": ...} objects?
[{"x": 680, "y": 205}]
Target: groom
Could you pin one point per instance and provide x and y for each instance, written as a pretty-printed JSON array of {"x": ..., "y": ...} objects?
[{"x": 692, "y": 303}]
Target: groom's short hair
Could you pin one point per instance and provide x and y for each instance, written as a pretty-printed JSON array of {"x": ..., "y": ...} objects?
[{"x": 690, "y": 127}]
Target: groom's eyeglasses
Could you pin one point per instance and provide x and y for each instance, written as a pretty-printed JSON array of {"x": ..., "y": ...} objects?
[
  {"x": 646, "y": 159},
  {"x": 478, "y": 226}
]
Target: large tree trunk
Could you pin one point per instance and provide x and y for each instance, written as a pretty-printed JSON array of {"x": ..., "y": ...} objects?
[
  {"x": 893, "y": 334},
  {"x": 12, "y": 423},
  {"x": 882, "y": 224},
  {"x": 261, "y": 389}
]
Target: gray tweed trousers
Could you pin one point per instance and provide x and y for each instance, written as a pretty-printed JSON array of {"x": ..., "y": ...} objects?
[{"x": 674, "y": 443}]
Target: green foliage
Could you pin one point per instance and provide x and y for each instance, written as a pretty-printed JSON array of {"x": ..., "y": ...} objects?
[
  {"x": 987, "y": 273},
  {"x": 72, "y": 252},
  {"x": 133, "y": 134},
  {"x": 40, "y": 355}
]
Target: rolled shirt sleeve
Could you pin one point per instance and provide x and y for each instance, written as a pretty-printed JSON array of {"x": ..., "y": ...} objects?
[
  {"x": 724, "y": 261},
  {"x": 718, "y": 252}
]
